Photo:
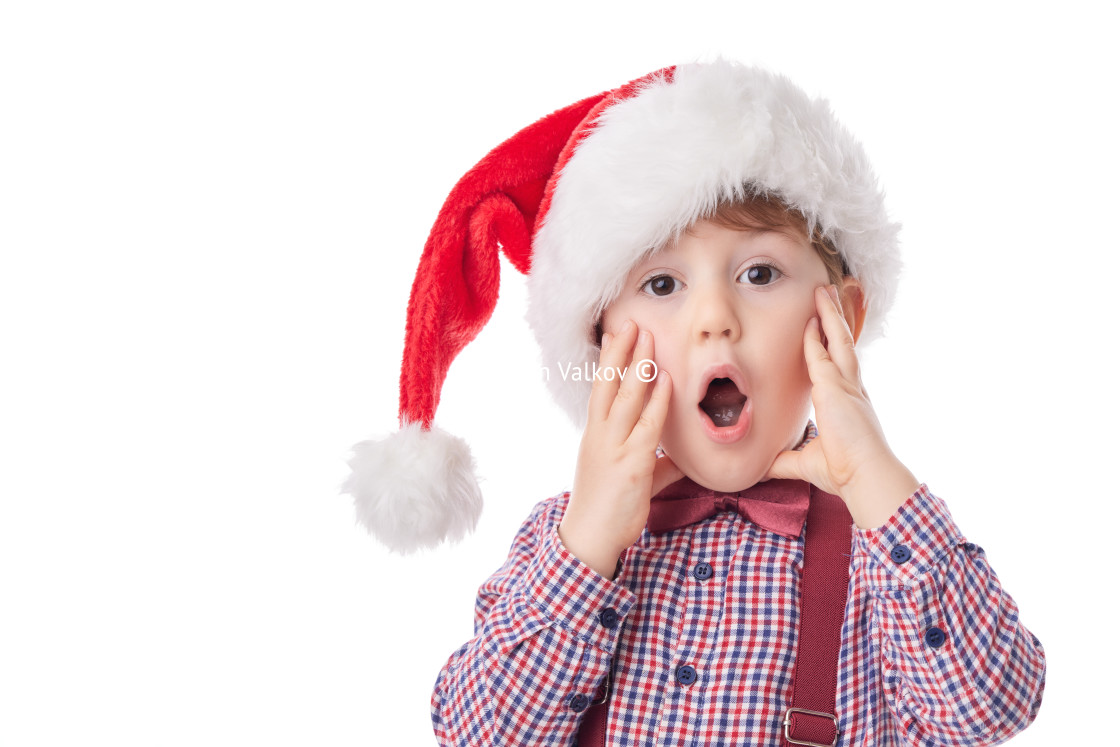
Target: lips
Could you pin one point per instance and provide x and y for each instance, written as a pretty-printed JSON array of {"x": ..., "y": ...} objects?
[{"x": 722, "y": 406}]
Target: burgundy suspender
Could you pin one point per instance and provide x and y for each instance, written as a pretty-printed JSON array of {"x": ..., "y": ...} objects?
[
  {"x": 593, "y": 728},
  {"x": 811, "y": 720}
]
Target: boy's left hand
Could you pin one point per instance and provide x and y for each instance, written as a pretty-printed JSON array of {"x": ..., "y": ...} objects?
[{"x": 849, "y": 457}]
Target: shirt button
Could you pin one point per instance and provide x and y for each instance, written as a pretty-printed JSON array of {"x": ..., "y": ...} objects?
[
  {"x": 702, "y": 571},
  {"x": 935, "y": 637},
  {"x": 579, "y": 703},
  {"x": 608, "y": 618},
  {"x": 686, "y": 675},
  {"x": 900, "y": 554}
]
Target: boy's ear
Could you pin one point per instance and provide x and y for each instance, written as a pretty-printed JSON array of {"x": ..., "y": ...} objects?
[{"x": 855, "y": 308}]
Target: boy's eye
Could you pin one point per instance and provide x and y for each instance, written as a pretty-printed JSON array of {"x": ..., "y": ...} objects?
[
  {"x": 761, "y": 275},
  {"x": 661, "y": 285}
]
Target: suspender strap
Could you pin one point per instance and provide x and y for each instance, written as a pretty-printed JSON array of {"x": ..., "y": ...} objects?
[
  {"x": 593, "y": 727},
  {"x": 811, "y": 720}
]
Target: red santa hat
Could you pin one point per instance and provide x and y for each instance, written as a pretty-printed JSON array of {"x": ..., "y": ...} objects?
[{"x": 575, "y": 200}]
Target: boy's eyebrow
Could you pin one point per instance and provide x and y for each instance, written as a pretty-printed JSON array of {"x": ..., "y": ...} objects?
[
  {"x": 780, "y": 230},
  {"x": 789, "y": 240},
  {"x": 791, "y": 236}
]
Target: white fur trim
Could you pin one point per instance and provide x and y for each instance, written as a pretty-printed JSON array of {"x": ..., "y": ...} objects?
[
  {"x": 415, "y": 488},
  {"x": 657, "y": 162}
]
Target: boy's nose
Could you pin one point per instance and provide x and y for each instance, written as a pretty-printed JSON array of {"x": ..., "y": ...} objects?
[{"x": 715, "y": 317}]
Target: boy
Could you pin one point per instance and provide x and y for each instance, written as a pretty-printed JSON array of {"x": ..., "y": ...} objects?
[{"x": 711, "y": 221}]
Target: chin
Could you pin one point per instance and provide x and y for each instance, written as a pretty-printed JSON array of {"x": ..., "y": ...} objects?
[
  {"x": 731, "y": 467},
  {"x": 726, "y": 478}
]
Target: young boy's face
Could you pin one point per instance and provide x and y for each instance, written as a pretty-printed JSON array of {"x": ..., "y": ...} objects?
[{"x": 728, "y": 304}]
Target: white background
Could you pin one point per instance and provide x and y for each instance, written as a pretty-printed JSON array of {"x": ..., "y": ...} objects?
[{"x": 210, "y": 215}]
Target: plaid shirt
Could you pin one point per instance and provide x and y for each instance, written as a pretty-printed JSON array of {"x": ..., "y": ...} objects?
[{"x": 700, "y": 626}]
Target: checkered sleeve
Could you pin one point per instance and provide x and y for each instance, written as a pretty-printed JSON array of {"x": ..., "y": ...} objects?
[
  {"x": 956, "y": 665},
  {"x": 546, "y": 628}
]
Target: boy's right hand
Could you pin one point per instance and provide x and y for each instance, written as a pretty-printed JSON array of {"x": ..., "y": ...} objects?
[{"x": 618, "y": 471}]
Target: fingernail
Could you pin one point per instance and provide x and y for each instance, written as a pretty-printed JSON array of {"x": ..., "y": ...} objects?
[
  {"x": 643, "y": 336},
  {"x": 835, "y": 292},
  {"x": 607, "y": 337}
]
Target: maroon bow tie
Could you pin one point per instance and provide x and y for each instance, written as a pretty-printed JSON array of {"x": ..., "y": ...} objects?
[{"x": 777, "y": 505}]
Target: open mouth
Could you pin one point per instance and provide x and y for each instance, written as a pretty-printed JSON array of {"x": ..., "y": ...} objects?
[{"x": 723, "y": 403}]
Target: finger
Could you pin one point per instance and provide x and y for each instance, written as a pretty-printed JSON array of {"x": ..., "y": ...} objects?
[
  {"x": 595, "y": 410},
  {"x": 665, "y": 473},
  {"x": 821, "y": 367},
  {"x": 630, "y": 398},
  {"x": 613, "y": 355},
  {"x": 646, "y": 432},
  {"x": 841, "y": 344}
]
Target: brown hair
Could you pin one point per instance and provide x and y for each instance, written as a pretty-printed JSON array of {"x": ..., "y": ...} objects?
[{"x": 766, "y": 211}]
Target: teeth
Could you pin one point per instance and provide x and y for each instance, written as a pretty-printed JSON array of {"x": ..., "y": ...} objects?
[
  {"x": 725, "y": 416},
  {"x": 723, "y": 403}
]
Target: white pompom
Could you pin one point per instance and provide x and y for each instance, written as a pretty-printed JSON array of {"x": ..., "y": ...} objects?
[{"x": 415, "y": 488}]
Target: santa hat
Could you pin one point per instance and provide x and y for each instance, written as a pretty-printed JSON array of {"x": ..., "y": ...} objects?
[{"x": 575, "y": 200}]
